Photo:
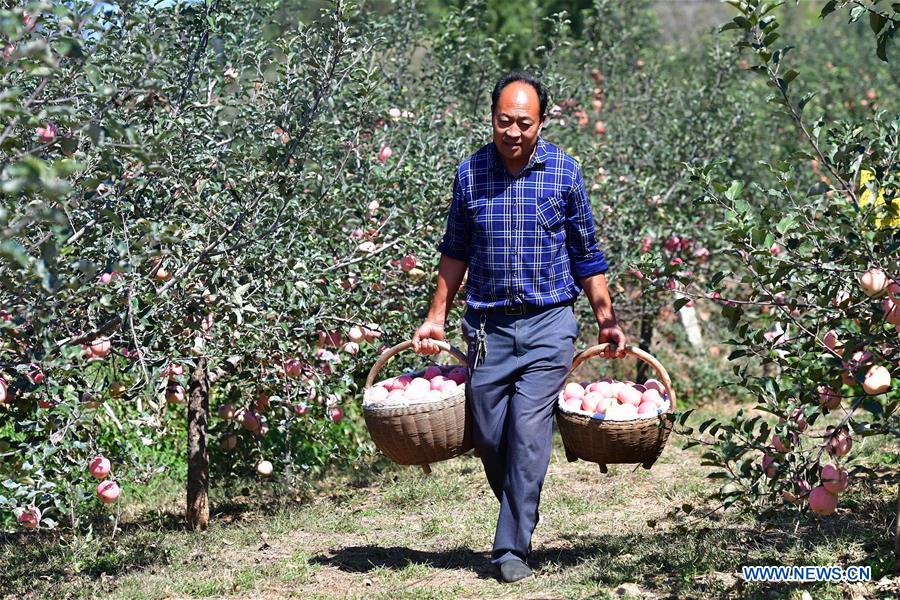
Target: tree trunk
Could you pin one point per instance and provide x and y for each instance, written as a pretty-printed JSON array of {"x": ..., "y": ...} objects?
[
  {"x": 198, "y": 459},
  {"x": 897, "y": 536},
  {"x": 646, "y": 339},
  {"x": 688, "y": 316}
]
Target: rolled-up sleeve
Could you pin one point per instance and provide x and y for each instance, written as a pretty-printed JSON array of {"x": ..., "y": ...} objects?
[
  {"x": 585, "y": 255},
  {"x": 457, "y": 238}
]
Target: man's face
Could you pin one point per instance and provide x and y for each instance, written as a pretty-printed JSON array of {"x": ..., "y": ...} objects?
[{"x": 517, "y": 121}]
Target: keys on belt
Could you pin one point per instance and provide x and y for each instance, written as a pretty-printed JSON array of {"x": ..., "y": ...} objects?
[{"x": 481, "y": 342}]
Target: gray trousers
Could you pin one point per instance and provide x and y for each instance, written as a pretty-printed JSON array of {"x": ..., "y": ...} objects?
[{"x": 512, "y": 393}]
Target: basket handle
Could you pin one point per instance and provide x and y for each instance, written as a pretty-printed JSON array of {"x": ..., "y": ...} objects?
[
  {"x": 636, "y": 352},
  {"x": 390, "y": 352}
]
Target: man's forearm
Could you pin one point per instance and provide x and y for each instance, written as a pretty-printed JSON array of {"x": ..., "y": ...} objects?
[
  {"x": 598, "y": 295},
  {"x": 450, "y": 276}
]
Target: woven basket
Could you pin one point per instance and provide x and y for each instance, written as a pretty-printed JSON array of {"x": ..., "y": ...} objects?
[
  {"x": 608, "y": 442},
  {"x": 425, "y": 433}
]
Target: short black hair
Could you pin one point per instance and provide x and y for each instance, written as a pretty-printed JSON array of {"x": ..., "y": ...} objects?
[{"x": 524, "y": 77}]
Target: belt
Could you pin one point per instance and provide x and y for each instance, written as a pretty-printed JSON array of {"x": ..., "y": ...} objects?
[{"x": 524, "y": 309}]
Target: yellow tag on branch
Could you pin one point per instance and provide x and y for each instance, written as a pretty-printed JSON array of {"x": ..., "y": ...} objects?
[{"x": 893, "y": 217}]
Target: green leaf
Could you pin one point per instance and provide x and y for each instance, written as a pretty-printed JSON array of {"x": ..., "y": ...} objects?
[
  {"x": 680, "y": 303},
  {"x": 785, "y": 224},
  {"x": 805, "y": 100},
  {"x": 829, "y": 8},
  {"x": 881, "y": 50},
  {"x": 873, "y": 406},
  {"x": 735, "y": 190},
  {"x": 817, "y": 189},
  {"x": 876, "y": 22}
]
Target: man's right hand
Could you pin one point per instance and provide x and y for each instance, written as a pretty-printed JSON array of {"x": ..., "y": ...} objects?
[{"x": 422, "y": 339}]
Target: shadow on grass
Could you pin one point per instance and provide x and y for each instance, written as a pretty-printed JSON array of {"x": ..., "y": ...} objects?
[
  {"x": 33, "y": 565},
  {"x": 703, "y": 560},
  {"x": 362, "y": 559}
]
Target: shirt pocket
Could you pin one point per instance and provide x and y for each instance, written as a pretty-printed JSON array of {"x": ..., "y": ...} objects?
[
  {"x": 480, "y": 210},
  {"x": 551, "y": 211}
]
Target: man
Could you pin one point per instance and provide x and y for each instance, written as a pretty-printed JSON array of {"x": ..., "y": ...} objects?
[{"x": 521, "y": 223}]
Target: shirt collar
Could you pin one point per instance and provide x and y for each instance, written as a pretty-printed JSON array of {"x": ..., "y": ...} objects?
[{"x": 540, "y": 156}]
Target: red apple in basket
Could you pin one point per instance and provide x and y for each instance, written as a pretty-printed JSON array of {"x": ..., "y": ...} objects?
[
  {"x": 621, "y": 412},
  {"x": 615, "y": 388},
  {"x": 605, "y": 403},
  {"x": 401, "y": 383},
  {"x": 574, "y": 390},
  {"x": 431, "y": 372},
  {"x": 652, "y": 396},
  {"x": 418, "y": 388},
  {"x": 590, "y": 402},
  {"x": 655, "y": 384},
  {"x": 396, "y": 396},
  {"x": 604, "y": 388},
  {"x": 447, "y": 386},
  {"x": 378, "y": 394},
  {"x": 629, "y": 395},
  {"x": 437, "y": 381},
  {"x": 573, "y": 403},
  {"x": 457, "y": 374},
  {"x": 647, "y": 409}
]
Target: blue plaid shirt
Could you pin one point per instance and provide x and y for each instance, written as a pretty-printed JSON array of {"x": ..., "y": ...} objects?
[{"x": 527, "y": 239}]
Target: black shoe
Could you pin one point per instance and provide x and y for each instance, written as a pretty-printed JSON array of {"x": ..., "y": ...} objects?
[{"x": 514, "y": 570}]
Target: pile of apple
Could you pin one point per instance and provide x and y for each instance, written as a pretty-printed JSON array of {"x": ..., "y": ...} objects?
[
  {"x": 431, "y": 385},
  {"x": 615, "y": 400}
]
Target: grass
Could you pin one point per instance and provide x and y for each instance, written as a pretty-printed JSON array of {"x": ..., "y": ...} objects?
[{"x": 389, "y": 532}]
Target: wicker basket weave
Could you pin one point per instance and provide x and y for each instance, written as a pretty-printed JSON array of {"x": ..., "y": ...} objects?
[
  {"x": 420, "y": 434},
  {"x": 608, "y": 442}
]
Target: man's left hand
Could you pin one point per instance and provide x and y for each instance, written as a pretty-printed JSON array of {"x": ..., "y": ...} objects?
[{"x": 612, "y": 334}]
